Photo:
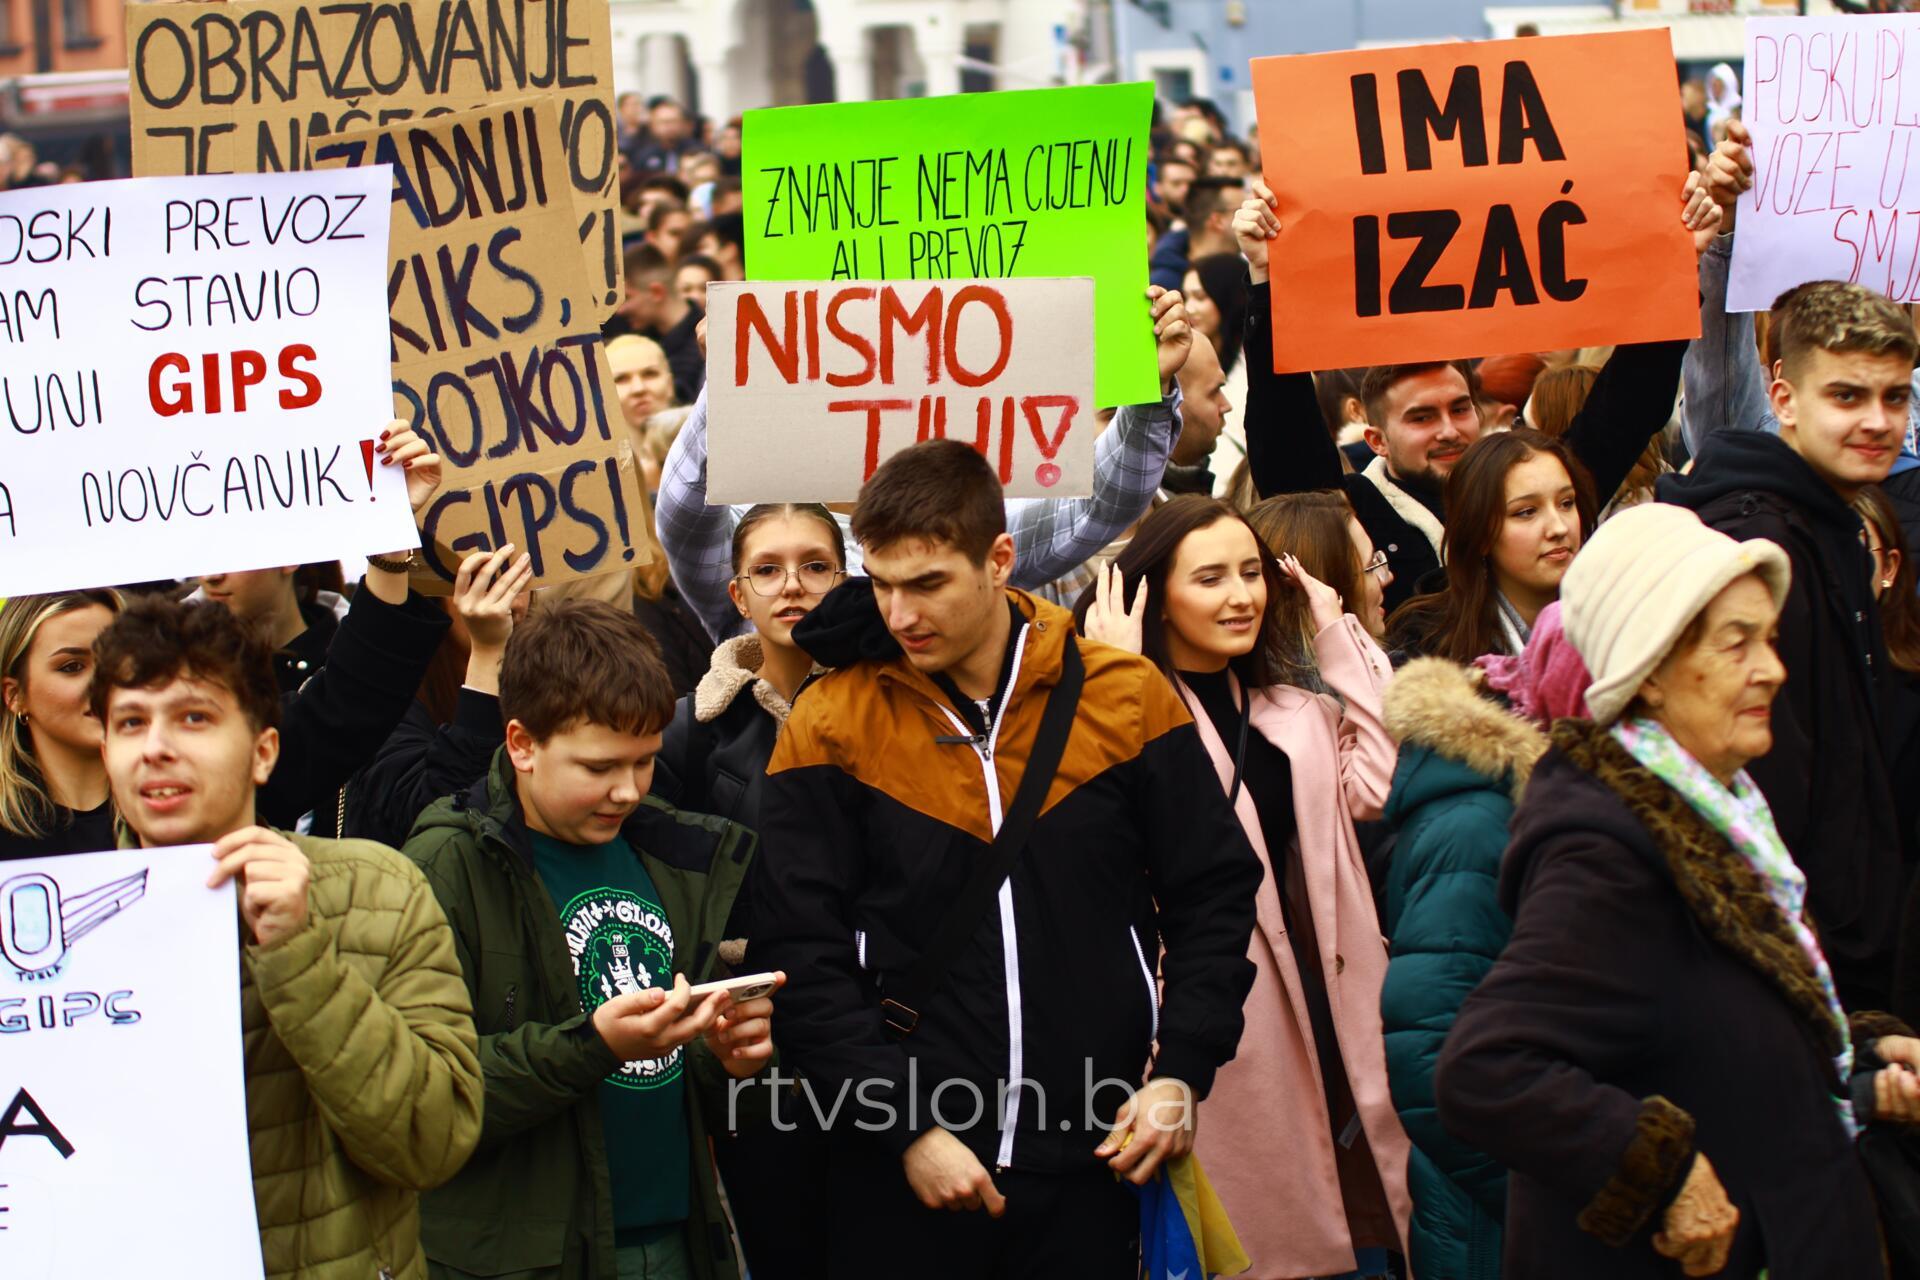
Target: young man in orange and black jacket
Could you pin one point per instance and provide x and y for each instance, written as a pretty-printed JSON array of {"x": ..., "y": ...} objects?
[{"x": 1123, "y": 925}]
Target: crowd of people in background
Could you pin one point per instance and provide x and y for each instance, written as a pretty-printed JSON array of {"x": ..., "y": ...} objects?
[{"x": 1469, "y": 805}]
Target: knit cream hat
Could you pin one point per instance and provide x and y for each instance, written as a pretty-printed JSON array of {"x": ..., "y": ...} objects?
[{"x": 1638, "y": 583}]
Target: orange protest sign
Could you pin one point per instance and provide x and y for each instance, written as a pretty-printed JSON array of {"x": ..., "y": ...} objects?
[{"x": 1458, "y": 200}]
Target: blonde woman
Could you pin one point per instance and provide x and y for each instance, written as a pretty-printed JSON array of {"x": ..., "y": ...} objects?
[{"x": 53, "y": 787}]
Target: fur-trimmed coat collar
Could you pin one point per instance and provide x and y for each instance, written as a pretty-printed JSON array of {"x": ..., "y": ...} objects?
[
  {"x": 1441, "y": 706},
  {"x": 732, "y": 670},
  {"x": 1726, "y": 896}
]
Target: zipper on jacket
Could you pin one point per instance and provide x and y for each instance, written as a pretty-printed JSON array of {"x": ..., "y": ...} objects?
[
  {"x": 513, "y": 993},
  {"x": 1153, "y": 989},
  {"x": 1009, "y": 937}
]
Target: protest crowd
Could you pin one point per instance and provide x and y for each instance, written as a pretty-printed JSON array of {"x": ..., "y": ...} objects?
[{"x": 1451, "y": 817}]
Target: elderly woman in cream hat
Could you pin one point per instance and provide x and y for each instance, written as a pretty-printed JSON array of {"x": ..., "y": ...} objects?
[{"x": 1659, "y": 1055}]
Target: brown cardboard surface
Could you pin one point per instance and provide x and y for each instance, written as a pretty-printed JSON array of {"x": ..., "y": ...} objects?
[
  {"x": 239, "y": 86},
  {"x": 497, "y": 354}
]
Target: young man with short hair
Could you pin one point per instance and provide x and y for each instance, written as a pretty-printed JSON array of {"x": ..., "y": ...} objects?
[
  {"x": 1840, "y": 393},
  {"x": 1210, "y": 203},
  {"x": 654, "y": 308},
  {"x": 1420, "y": 419},
  {"x": 581, "y": 911},
  {"x": 1013, "y": 1082},
  {"x": 363, "y": 1085}
]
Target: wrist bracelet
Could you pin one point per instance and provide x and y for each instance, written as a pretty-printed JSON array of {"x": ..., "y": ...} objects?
[{"x": 406, "y": 565}]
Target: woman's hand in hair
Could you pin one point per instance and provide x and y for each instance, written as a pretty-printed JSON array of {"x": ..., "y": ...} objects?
[
  {"x": 1255, "y": 223},
  {"x": 1110, "y": 620},
  {"x": 1322, "y": 600},
  {"x": 1730, "y": 172}
]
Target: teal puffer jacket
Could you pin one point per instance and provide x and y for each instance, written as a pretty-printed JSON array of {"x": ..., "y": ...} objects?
[{"x": 1462, "y": 762}]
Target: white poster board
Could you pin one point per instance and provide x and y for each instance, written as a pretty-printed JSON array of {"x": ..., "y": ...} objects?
[
  {"x": 811, "y": 386},
  {"x": 123, "y": 1121},
  {"x": 1832, "y": 103},
  {"x": 193, "y": 372}
]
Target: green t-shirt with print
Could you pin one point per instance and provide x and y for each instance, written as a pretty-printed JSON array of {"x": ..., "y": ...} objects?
[{"x": 620, "y": 940}]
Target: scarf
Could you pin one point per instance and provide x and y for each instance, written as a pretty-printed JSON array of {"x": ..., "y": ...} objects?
[
  {"x": 1513, "y": 628},
  {"x": 1742, "y": 816},
  {"x": 1545, "y": 680}
]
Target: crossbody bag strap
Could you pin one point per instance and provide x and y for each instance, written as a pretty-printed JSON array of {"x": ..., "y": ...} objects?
[{"x": 909, "y": 994}]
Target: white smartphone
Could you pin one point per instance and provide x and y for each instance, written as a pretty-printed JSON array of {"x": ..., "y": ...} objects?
[{"x": 750, "y": 986}]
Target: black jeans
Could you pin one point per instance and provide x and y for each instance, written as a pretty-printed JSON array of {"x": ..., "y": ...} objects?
[{"x": 1083, "y": 1224}]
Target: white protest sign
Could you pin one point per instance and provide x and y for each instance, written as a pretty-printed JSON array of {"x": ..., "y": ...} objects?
[
  {"x": 123, "y": 1112},
  {"x": 811, "y": 386},
  {"x": 1833, "y": 103},
  {"x": 193, "y": 372}
]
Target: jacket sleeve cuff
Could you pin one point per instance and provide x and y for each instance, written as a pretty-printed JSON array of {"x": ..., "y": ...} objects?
[
  {"x": 389, "y": 645},
  {"x": 1651, "y": 1170},
  {"x": 1869, "y": 1025},
  {"x": 596, "y": 1061},
  {"x": 1188, "y": 1064},
  {"x": 479, "y": 713},
  {"x": 282, "y": 962},
  {"x": 903, "y": 1135}
]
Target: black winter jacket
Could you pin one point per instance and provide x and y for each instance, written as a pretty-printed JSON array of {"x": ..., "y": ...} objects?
[
  {"x": 420, "y": 762},
  {"x": 1825, "y": 779},
  {"x": 714, "y": 756},
  {"x": 879, "y": 799},
  {"x": 1651, "y": 1004}
]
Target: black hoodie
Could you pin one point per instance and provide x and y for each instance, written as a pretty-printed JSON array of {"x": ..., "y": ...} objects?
[{"x": 1826, "y": 778}]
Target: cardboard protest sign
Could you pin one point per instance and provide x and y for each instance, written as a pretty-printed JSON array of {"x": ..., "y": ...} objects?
[
  {"x": 1036, "y": 182},
  {"x": 244, "y": 86},
  {"x": 810, "y": 387},
  {"x": 1469, "y": 199},
  {"x": 123, "y": 1122},
  {"x": 192, "y": 378},
  {"x": 1832, "y": 103},
  {"x": 497, "y": 355}
]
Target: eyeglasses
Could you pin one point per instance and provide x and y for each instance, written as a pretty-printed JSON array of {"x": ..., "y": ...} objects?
[
  {"x": 1376, "y": 564},
  {"x": 815, "y": 576}
]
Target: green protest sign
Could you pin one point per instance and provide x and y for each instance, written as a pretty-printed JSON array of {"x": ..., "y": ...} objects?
[{"x": 1033, "y": 182}]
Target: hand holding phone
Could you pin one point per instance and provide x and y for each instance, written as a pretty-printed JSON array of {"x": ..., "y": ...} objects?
[{"x": 742, "y": 1037}]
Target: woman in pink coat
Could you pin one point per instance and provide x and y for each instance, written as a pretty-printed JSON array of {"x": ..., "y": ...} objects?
[{"x": 1299, "y": 1135}]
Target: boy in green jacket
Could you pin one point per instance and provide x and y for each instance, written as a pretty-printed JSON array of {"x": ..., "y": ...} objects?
[
  {"x": 581, "y": 910},
  {"x": 363, "y": 1085}
]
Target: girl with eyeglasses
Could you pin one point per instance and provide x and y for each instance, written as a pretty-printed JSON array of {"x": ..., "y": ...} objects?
[
  {"x": 1285, "y": 684},
  {"x": 786, "y": 557}
]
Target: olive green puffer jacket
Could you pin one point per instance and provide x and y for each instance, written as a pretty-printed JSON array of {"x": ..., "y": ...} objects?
[{"x": 363, "y": 1069}]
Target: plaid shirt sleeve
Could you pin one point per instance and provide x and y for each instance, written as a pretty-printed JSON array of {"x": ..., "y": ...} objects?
[
  {"x": 698, "y": 538},
  {"x": 1054, "y": 535}
]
